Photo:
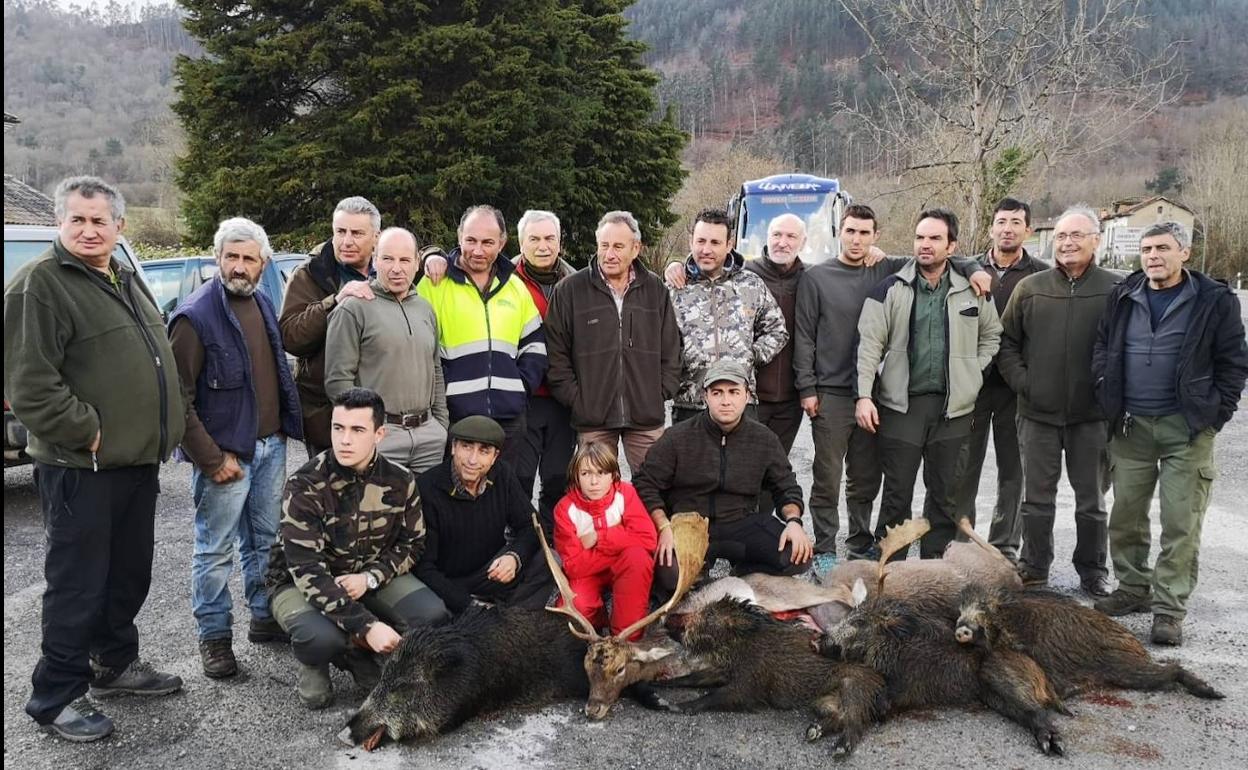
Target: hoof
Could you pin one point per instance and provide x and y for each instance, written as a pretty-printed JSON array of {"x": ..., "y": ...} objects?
[{"x": 814, "y": 733}]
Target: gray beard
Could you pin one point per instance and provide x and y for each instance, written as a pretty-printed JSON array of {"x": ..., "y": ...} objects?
[{"x": 239, "y": 287}]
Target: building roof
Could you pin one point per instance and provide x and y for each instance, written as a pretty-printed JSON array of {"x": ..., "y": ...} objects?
[
  {"x": 1128, "y": 206},
  {"x": 24, "y": 205}
]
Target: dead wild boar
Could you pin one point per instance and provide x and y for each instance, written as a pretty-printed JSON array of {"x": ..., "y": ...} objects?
[
  {"x": 484, "y": 659},
  {"x": 1077, "y": 646},
  {"x": 755, "y": 661},
  {"x": 923, "y": 665}
]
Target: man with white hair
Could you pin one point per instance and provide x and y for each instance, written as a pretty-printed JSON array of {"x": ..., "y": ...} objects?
[
  {"x": 242, "y": 406},
  {"x": 335, "y": 270},
  {"x": 614, "y": 344},
  {"x": 390, "y": 345},
  {"x": 779, "y": 407},
  {"x": 1050, "y": 325},
  {"x": 1178, "y": 337}
]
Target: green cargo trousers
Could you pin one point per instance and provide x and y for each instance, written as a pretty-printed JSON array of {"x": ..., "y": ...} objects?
[{"x": 1154, "y": 449}]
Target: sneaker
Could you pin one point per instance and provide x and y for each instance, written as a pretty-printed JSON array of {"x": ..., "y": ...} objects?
[
  {"x": 362, "y": 667},
  {"x": 263, "y": 630},
  {"x": 80, "y": 722},
  {"x": 217, "y": 657},
  {"x": 1167, "y": 630},
  {"x": 138, "y": 678},
  {"x": 871, "y": 554},
  {"x": 822, "y": 564},
  {"x": 314, "y": 687},
  {"x": 1122, "y": 602},
  {"x": 1097, "y": 585}
]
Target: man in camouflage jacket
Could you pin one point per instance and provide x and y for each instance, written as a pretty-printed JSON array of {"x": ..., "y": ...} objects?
[
  {"x": 351, "y": 530},
  {"x": 723, "y": 311}
]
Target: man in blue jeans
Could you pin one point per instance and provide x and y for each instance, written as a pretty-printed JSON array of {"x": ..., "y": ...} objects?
[{"x": 242, "y": 407}]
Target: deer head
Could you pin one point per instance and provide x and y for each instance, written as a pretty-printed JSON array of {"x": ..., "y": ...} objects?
[{"x": 613, "y": 662}]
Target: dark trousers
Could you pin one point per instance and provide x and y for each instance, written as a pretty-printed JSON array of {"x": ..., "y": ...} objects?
[
  {"x": 783, "y": 418},
  {"x": 98, "y": 566},
  {"x": 403, "y": 603},
  {"x": 921, "y": 435},
  {"x": 840, "y": 445},
  {"x": 548, "y": 443},
  {"x": 995, "y": 409},
  {"x": 1087, "y": 470},
  {"x": 531, "y": 589},
  {"x": 751, "y": 544}
]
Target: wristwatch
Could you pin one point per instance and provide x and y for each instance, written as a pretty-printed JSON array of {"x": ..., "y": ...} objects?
[{"x": 372, "y": 581}]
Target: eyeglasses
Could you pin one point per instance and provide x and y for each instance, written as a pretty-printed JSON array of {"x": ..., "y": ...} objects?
[{"x": 1075, "y": 237}]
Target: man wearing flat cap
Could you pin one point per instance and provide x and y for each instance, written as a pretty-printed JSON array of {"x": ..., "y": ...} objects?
[
  {"x": 717, "y": 463},
  {"x": 480, "y": 545}
]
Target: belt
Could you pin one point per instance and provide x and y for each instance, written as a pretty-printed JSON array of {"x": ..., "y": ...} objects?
[{"x": 410, "y": 420}]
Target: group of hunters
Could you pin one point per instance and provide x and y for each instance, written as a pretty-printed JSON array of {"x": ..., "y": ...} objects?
[{"x": 434, "y": 390}]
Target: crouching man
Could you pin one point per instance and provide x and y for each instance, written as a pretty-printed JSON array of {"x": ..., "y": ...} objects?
[
  {"x": 339, "y": 575},
  {"x": 716, "y": 463},
  {"x": 481, "y": 545}
]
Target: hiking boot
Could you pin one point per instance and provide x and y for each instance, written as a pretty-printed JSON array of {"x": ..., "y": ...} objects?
[
  {"x": 1122, "y": 602},
  {"x": 871, "y": 554},
  {"x": 822, "y": 565},
  {"x": 1167, "y": 630},
  {"x": 263, "y": 630},
  {"x": 362, "y": 667},
  {"x": 1033, "y": 579},
  {"x": 314, "y": 687},
  {"x": 80, "y": 722},
  {"x": 1096, "y": 585},
  {"x": 138, "y": 678},
  {"x": 217, "y": 657}
]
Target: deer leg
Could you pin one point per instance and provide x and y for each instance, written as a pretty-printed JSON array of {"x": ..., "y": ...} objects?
[
  {"x": 720, "y": 699},
  {"x": 645, "y": 694},
  {"x": 705, "y": 678}
]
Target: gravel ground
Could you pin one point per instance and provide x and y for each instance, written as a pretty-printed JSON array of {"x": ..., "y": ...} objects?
[{"x": 254, "y": 720}]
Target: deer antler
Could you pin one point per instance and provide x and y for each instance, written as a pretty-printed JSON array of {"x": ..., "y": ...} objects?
[
  {"x": 587, "y": 631},
  {"x": 898, "y": 538},
  {"x": 691, "y": 532}
]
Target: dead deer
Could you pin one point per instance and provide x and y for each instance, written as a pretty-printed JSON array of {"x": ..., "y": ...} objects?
[
  {"x": 613, "y": 663},
  {"x": 924, "y": 666}
]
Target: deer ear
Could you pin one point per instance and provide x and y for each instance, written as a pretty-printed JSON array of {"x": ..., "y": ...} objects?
[{"x": 859, "y": 592}]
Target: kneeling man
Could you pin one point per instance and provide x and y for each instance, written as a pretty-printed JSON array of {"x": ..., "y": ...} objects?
[
  {"x": 716, "y": 464},
  {"x": 481, "y": 545},
  {"x": 340, "y": 572}
]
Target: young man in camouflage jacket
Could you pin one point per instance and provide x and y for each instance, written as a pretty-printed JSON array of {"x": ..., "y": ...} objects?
[
  {"x": 339, "y": 575},
  {"x": 723, "y": 311}
]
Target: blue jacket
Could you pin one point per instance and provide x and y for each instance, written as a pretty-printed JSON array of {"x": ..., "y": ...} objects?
[
  {"x": 225, "y": 397},
  {"x": 1212, "y": 369}
]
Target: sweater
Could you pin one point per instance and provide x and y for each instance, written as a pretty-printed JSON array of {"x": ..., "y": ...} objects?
[
  {"x": 465, "y": 533},
  {"x": 390, "y": 346}
]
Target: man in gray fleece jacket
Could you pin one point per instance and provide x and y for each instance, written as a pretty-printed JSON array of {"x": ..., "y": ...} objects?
[{"x": 390, "y": 345}]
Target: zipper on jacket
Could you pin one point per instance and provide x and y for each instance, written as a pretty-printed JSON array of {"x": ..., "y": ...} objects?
[
  {"x": 1070, "y": 308},
  {"x": 489, "y": 349}
]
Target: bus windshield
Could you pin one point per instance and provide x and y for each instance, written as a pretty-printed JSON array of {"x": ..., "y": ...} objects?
[{"x": 814, "y": 199}]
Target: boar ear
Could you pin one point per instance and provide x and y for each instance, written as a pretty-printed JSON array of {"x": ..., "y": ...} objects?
[{"x": 859, "y": 592}]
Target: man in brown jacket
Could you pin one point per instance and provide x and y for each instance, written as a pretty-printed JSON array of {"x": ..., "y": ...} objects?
[
  {"x": 335, "y": 270},
  {"x": 624, "y": 359}
]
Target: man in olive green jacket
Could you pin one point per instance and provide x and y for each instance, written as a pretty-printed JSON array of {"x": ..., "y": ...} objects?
[
  {"x": 90, "y": 373},
  {"x": 925, "y": 340},
  {"x": 1046, "y": 357}
]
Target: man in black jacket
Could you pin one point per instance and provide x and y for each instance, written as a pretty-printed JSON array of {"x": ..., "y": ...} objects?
[
  {"x": 1177, "y": 336},
  {"x": 716, "y": 464},
  {"x": 480, "y": 544}
]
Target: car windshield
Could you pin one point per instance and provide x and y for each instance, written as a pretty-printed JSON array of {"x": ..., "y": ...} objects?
[
  {"x": 164, "y": 281},
  {"x": 18, "y": 253}
]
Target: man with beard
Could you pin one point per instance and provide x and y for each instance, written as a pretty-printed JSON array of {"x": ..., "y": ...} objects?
[
  {"x": 242, "y": 407},
  {"x": 390, "y": 345}
]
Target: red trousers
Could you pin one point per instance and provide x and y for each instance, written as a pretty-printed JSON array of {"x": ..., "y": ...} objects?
[{"x": 628, "y": 575}]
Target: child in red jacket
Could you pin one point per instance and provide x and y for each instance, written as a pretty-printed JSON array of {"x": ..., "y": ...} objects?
[{"x": 605, "y": 538}]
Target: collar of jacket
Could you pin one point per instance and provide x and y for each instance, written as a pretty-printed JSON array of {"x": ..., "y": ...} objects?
[
  {"x": 65, "y": 259},
  {"x": 323, "y": 266},
  {"x": 775, "y": 270},
  {"x": 732, "y": 266},
  {"x": 639, "y": 268},
  {"x": 712, "y": 427},
  {"x": 380, "y": 290},
  {"x": 503, "y": 270},
  {"x": 1025, "y": 262},
  {"x": 1091, "y": 270},
  {"x": 338, "y": 469}
]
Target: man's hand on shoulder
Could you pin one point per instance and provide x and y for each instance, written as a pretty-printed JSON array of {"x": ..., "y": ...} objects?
[
  {"x": 435, "y": 268},
  {"x": 981, "y": 282},
  {"x": 674, "y": 275},
  {"x": 359, "y": 289}
]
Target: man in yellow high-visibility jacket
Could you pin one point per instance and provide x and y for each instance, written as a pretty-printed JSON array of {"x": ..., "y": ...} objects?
[{"x": 490, "y": 332}]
